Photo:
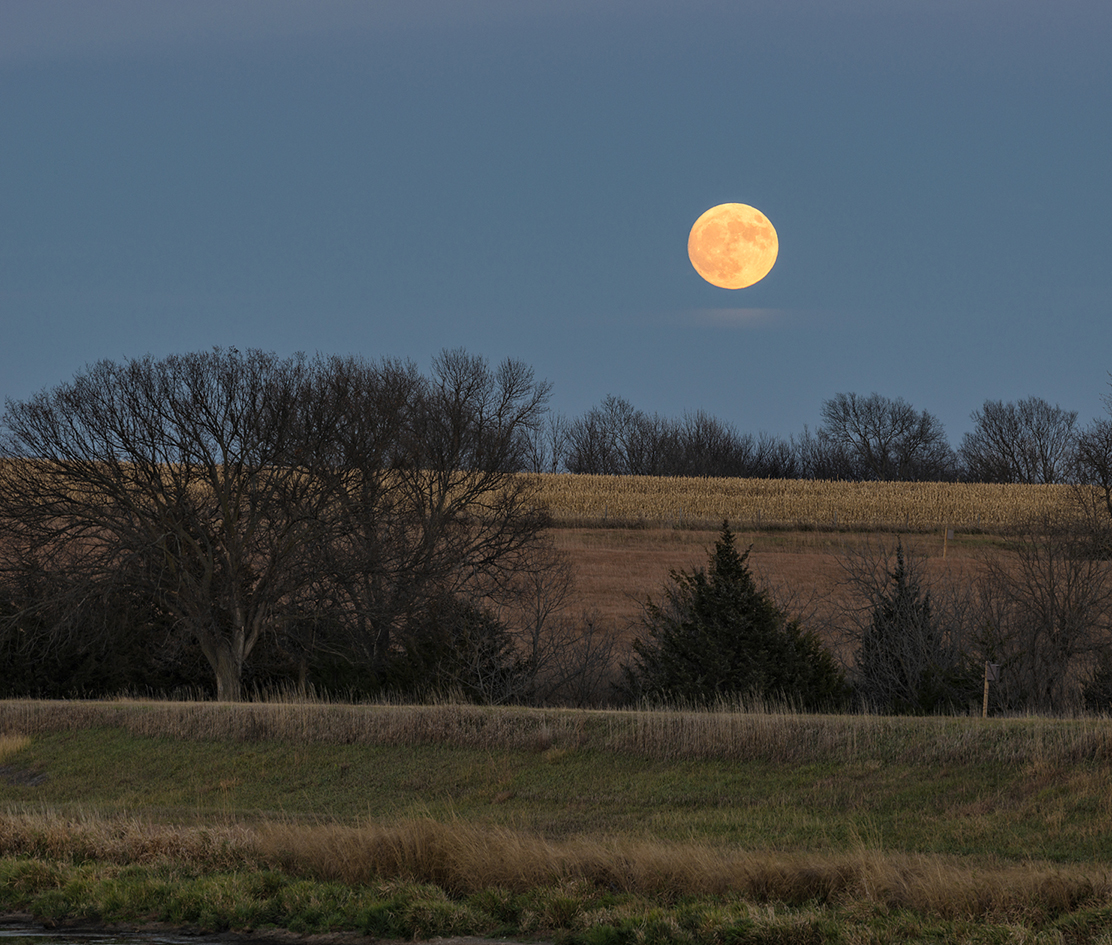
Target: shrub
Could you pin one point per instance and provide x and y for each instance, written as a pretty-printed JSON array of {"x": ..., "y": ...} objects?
[{"x": 455, "y": 650}]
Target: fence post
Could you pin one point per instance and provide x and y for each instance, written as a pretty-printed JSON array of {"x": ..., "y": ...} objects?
[{"x": 992, "y": 673}]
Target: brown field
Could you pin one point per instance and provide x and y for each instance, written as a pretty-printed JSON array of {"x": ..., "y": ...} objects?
[
  {"x": 624, "y": 534},
  {"x": 617, "y": 568}
]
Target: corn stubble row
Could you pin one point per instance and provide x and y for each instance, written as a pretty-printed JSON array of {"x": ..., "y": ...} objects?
[{"x": 800, "y": 503}]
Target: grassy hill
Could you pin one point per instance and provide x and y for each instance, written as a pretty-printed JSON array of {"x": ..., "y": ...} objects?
[{"x": 579, "y": 826}]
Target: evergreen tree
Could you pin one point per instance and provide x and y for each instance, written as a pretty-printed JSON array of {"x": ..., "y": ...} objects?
[
  {"x": 904, "y": 663},
  {"x": 716, "y": 635}
]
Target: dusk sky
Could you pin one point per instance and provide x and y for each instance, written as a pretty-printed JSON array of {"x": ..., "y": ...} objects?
[{"x": 394, "y": 177}]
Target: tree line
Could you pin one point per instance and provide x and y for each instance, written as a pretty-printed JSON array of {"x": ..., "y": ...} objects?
[
  {"x": 861, "y": 438},
  {"x": 222, "y": 521}
]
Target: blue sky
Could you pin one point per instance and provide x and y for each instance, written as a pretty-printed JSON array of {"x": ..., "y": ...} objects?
[{"x": 519, "y": 178}]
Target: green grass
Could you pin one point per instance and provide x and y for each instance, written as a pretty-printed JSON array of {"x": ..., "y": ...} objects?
[
  {"x": 586, "y": 827},
  {"x": 258, "y": 901},
  {"x": 1061, "y": 814}
]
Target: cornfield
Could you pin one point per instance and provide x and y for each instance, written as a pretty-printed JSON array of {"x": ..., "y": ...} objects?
[
  {"x": 683, "y": 502},
  {"x": 799, "y": 504}
]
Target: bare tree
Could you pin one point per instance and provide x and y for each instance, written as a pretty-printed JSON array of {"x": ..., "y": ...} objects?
[
  {"x": 1093, "y": 478},
  {"x": 170, "y": 476},
  {"x": 774, "y": 458},
  {"x": 1046, "y": 612},
  {"x": 821, "y": 456},
  {"x": 1094, "y": 469},
  {"x": 548, "y": 445},
  {"x": 584, "y": 664},
  {"x": 428, "y": 504},
  {"x": 564, "y": 658},
  {"x": 653, "y": 446},
  {"x": 709, "y": 447},
  {"x": 1029, "y": 441},
  {"x": 617, "y": 439},
  {"x": 598, "y": 442},
  {"x": 889, "y": 439}
]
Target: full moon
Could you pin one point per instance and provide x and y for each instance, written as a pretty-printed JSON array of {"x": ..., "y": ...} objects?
[{"x": 733, "y": 245}]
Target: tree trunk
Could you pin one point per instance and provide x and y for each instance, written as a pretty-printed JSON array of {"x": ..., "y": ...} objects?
[
  {"x": 227, "y": 664},
  {"x": 229, "y": 685}
]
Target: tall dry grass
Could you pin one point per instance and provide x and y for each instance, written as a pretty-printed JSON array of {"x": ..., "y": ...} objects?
[
  {"x": 49, "y": 835},
  {"x": 786, "y": 737},
  {"x": 729, "y": 732},
  {"x": 465, "y": 859},
  {"x": 308, "y": 721}
]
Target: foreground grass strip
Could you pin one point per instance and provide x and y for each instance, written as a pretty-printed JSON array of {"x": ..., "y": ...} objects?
[
  {"x": 570, "y": 912},
  {"x": 58, "y": 892},
  {"x": 464, "y": 861}
]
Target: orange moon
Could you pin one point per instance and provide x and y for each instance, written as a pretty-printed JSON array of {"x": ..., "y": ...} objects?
[{"x": 733, "y": 245}]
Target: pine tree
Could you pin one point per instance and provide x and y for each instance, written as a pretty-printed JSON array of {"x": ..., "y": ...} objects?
[
  {"x": 901, "y": 665},
  {"x": 716, "y": 635}
]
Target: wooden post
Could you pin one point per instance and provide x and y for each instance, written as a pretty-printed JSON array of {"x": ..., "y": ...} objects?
[{"x": 992, "y": 673}]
